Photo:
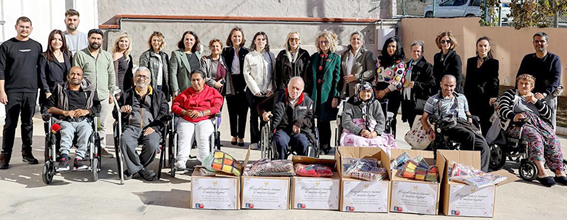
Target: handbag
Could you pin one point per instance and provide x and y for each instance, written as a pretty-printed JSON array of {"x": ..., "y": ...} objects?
[{"x": 417, "y": 137}]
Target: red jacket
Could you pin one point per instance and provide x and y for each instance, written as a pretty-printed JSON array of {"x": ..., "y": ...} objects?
[{"x": 208, "y": 98}]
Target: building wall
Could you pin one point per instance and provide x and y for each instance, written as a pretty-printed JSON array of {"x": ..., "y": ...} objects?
[
  {"x": 509, "y": 45},
  {"x": 248, "y": 8}
]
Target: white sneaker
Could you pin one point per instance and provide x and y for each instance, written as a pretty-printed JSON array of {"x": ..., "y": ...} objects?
[
  {"x": 254, "y": 146},
  {"x": 181, "y": 165}
]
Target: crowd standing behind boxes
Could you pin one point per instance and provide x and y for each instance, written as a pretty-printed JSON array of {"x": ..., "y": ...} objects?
[{"x": 375, "y": 178}]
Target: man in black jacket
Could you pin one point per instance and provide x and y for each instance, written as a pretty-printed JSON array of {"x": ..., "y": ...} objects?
[
  {"x": 73, "y": 105},
  {"x": 142, "y": 110},
  {"x": 292, "y": 118}
]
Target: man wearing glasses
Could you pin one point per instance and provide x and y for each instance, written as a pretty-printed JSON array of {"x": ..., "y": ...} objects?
[{"x": 142, "y": 109}]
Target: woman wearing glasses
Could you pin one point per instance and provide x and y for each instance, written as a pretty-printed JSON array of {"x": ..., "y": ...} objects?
[
  {"x": 290, "y": 62},
  {"x": 322, "y": 84},
  {"x": 447, "y": 61}
]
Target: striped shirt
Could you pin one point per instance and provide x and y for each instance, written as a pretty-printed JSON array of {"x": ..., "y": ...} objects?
[
  {"x": 507, "y": 102},
  {"x": 447, "y": 106}
]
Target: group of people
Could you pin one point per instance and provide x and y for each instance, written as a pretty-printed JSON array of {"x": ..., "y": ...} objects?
[{"x": 293, "y": 91}]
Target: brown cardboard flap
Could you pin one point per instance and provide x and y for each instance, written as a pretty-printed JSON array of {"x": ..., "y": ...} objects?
[
  {"x": 362, "y": 152},
  {"x": 412, "y": 153},
  {"x": 511, "y": 177},
  {"x": 245, "y": 161},
  {"x": 469, "y": 158}
]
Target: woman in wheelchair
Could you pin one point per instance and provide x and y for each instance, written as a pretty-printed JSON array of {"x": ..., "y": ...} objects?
[
  {"x": 529, "y": 118},
  {"x": 363, "y": 121},
  {"x": 194, "y": 107}
]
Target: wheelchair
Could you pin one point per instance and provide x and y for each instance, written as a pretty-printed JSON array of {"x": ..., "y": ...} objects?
[
  {"x": 52, "y": 143},
  {"x": 515, "y": 149},
  {"x": 172, "y": 139},
  {"x": 118, "y": 129},
  {"x": 389, "y": 126},
  {"x": 269, "y": 149}
]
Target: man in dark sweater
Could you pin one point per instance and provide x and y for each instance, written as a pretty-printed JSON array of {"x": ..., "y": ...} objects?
[
  {"x": 18, "y": 89},
  {"x": 546, "y": 68}
]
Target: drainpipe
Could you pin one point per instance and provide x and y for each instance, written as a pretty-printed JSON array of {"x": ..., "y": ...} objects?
[{"x": 434, "y": 4}]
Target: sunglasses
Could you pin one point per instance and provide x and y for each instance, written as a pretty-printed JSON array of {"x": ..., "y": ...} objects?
[
  {"x": 294, "y": 39},
  {"x": 445, "y": 41}
]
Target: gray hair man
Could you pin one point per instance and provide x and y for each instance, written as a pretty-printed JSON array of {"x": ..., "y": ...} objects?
[{"x": 143, "y": 111}]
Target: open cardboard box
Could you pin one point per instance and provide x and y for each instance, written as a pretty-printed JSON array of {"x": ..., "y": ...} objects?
[
  {"x": 459, "y": 199},
  {"x": 261, "y": 192},
  {"x": 415, "y": 196},
  {"x": 359, "y": 195},
  {"x": 219, "y": 191},
  {"x": 315, "y": 192}
]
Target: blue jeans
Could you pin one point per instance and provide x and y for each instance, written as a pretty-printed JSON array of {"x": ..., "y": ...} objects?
[
  {"x": 298, "y": 141},
  {"x": 68, "y": 129}
]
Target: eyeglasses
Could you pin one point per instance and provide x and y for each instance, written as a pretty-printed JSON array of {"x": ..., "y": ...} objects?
[
  {"x": 142, "y": 77},
  {"x": 324, "y": 42},
  {"x": 294, "y": 39},
  {"x": 445, "y": 41}
]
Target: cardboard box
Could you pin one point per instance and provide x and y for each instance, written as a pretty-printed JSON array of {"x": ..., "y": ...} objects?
[
  {"x": 221, "y": 191},
  {"x": 415, "y": 196},
  {"x": 459, "y": 199},
  {"x": 315, "y": 192},
  {"x": 359, "y": 195},
  {"x": 259, "y": 192}
]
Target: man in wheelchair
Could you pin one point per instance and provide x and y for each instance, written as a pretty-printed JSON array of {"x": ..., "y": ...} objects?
[
  {"x": 142, "y": 109},
  {"x": 195, "y": 106},
  {"x": 453, "y": 119},
  {"x": 291, "y": 114},
  {"x": 73, "y": 105}
]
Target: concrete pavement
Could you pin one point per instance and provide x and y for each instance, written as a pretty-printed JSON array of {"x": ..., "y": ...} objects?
[{"x": 70, "y": 196}]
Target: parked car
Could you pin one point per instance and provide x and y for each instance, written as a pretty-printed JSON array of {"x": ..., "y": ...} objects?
[{"x": 463, "y": 8}]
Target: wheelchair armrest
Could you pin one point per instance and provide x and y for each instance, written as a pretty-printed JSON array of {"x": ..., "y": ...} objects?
[
  {"x": 46, "y": 116},
  {"x": 166, "y": 118},
  {"x": 218, "y": 114}
]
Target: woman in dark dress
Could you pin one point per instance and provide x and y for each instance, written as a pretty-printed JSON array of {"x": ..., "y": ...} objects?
[
  {"x": 290, "y": 62},
  {"x": 123, "y": 61},
  {"x": 447, "y": 61},
  {"x": 418, "y": 84},
  {"x": 233, "y": 56},
  {"x": 53, "y": 64},
  {"x": 322, "y": 84},
  {"x": 481, "y": 84}
]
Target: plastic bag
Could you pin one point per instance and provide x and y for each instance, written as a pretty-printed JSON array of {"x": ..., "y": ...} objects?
[
  {"x": 313, "y": 170},
  {"x": 265, "y": 166},
  {"x": 369, "y": 169},
  {"x": 399, "y": 162}
]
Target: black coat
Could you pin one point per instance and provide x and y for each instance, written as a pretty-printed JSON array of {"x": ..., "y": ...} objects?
[
  {"x": 424, "y": 81},
  {"x": 481, "y": 84},
  {"x": 285, "y": 69},
  {"x": 447, "y": 64},
  {"x": 159, "y": 108},
  {"x": 285, "y": 116},
  {"x": 52, "y": 73},
  {"x": 235, "y": 82}
]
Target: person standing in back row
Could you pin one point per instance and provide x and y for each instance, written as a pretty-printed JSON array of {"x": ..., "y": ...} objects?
[
  {"x": 98, "y": 67},
  {"x": 75, "y": 39},
  {"x": 546, "y": 68},
  {"x": 18, "y": 89}
]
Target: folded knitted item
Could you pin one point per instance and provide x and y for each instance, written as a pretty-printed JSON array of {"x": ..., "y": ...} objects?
[
  {"x": 221, "y": 161},
  {"x": 265, "y": 166},
  {"x": 313, "y": 170}
]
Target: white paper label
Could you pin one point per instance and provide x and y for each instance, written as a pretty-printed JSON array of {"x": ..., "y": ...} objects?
[
  {"x": 316, "y": 193},
  {"x": 365, "y": 196},
  {"x": 467, "y": 201},
  {"x": 214, "y": 193},
  {"x": 265, "y": 193},
  {"x": 414, "y": 197}
]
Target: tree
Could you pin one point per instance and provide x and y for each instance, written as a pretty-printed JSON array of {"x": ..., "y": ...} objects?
[
  {"x": 536, "y": 13},
  {"x": 489, "y": 18}
]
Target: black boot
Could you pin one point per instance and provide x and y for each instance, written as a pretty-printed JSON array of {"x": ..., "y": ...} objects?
[
  {"x": 147, "y": 174},
  {"x": 27, "y": 157},
  {"x": 4, "y": 160}
]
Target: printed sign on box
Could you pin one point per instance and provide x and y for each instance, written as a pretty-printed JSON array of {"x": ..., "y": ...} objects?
[
  {"x": 468, "y": 201},
  {"x": 214, "y": 193},
  {"x": 414, "y": 197},
  {"x": 365, "y": 196},
  {"x": 265, "y": 193},
  {"x": 316, "y": 193}
]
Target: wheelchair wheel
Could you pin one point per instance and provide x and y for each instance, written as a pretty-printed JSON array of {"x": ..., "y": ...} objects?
[
  {"x": 266, "y": 149},
  {"x": 497, "y": 157},
  {"x": 94, "y": 168},
  {"x": 48, "y": 172},
  {"x": 528, "y": 170},
  {"x": 565, "y": 163}
]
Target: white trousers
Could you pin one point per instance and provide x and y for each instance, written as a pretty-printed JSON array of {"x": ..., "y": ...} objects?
[{"x": 186, "y": 130}]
